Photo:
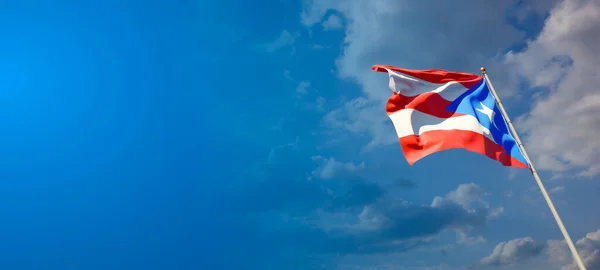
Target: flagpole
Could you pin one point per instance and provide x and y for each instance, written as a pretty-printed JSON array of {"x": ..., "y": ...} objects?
[{"x": 535, "y": 174}]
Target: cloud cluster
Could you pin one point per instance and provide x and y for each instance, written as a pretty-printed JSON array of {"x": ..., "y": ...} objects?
[
  {"x": 513, "y": 251},
  {"x": 563, "y": 124},
  {"x": 522, "y": 249},
  {"x": 588, "y": 247}
]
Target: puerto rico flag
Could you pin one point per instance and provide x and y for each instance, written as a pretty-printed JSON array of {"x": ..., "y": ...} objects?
[{"x": 436, "y": 110}]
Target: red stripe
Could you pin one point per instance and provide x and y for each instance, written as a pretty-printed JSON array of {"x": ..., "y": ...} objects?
[
  {"x": 438, "y": 76},
  {"x": 429, "y": 103},
  {"x": 417, "y": 147}
]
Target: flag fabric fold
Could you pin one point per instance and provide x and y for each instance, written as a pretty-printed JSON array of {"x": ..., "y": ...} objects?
[{"x": 436, "y": 110}]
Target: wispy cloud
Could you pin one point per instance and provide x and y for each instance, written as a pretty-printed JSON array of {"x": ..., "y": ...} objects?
[
  {"x": 302, "y": 88},
  {"x": 285, "y": 39},
  {"x": 318, "y": 47},
  {"x": 557, "y": 190},
  {"x": 330, "y": 167},
  {"x": 288, "y": 75}
]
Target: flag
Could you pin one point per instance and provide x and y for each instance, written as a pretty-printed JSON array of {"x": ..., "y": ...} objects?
[{"x": 436, "y": 110}]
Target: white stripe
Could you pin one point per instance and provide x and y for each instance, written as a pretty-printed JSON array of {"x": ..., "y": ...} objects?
[
  {"x": 411, "y": 122},
  {"x": 410, "y": 86}
]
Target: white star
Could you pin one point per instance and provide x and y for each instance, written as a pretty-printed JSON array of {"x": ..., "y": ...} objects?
[{"x": 488, "y": 112}]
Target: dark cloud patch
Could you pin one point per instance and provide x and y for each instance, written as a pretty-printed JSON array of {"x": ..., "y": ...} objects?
[
  {"x": 405, "y": 183},
  {"x": 282, "y": 185},
  {"x": 315, "y": 240},
  {"x": 387, "y": 225},
  {"x": 374, "y": 223},
  {"x": 360, "y": 194},
  {"x": 363, "y": 220},
  {"x": 405, "y": 220}
]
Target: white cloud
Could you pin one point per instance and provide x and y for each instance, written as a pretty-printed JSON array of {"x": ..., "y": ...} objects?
[
  {"x": 464, "y": 195},
  {"x": 496, "y": 212},
  {"x": 463, "y": 238},
  {"x": 469, "y": 196},
  {"x": 332, "y": 23},
  {"x": 563, "y": 124},
  {"x": 513, "y": 251},
  {"x": 330, "y": 167},
  {"x": 558, "y": 251},
  {"x": 369, "y": 219}
]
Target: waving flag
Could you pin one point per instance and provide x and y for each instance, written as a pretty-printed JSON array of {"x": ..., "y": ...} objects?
[{"x": 436, "y": 110}]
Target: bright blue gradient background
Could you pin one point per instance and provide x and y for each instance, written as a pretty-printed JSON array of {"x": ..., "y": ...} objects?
[
  {"x": 106, "y": 149},
  {"x": 174, "y": 134}
]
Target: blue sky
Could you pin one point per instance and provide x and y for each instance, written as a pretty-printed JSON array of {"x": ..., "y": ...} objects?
[{"x": 231, "y": 135}]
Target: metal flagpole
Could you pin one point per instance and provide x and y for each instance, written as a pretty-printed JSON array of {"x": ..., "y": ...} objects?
[{"x": 535, "y": 174}]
